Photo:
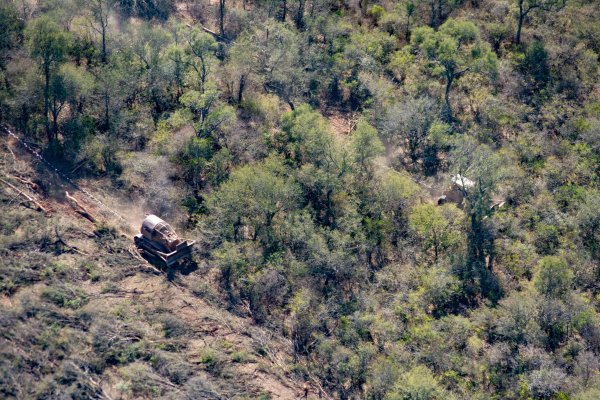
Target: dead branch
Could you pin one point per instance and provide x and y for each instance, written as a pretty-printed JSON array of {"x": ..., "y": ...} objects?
[
  {"x": 80, "y": 209},
  {"x": 26, "y": 196},
  {"x": 85, "y": 233},
  {"x": 81, "y": 164},
  {"x": 27, "y": 182},
  {"x": 352, "y": 123},
  {"x": 64, "y": 243},
  {"x": 322, "y": 391},
  {"x": 93, "y": 382}
]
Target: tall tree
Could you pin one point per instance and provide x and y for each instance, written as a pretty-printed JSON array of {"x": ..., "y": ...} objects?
[
  {"x": 554, "y": 277},
  {"x": 366, "y": 146},
  {"x": 200, "y": 48},
  {"x": 526, "y": 6},
  {"x": 10, "y": 26},
  {"x": 478, "y": 173},
  {"x": 407, "y": 124},
  {"x": 588, "y": 219},
  {"x": 222, "y": 17},
  {"x": 410, "y": 10},
  {"x": 149, "y": 42},
  {"x": 452, "y": 51},
  {"x": 300, "y": 14},
  {"x": 279, "y": 60},
  {"x": 306, "y": 137},
  {"x": 100, "y": 10},
  {"x": 240, "y": 67},
  {"x": 47, "y": 43}
]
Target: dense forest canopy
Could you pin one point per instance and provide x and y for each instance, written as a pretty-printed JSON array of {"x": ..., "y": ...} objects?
[{"x": 305, "y": 143}]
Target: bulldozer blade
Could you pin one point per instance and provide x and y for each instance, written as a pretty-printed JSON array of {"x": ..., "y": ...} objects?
[{"x": 183, "y": 250}]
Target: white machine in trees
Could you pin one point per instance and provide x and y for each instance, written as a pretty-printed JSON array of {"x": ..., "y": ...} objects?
[
  {"x": 158, "y": 240},
  {"x": 456, "y": 193}
]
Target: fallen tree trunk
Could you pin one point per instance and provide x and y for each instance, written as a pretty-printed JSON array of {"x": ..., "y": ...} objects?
[
  {"x": 80, "y": 209},
  {"x": 26, "y": 196},
  {"x": 216, "y": 35}
]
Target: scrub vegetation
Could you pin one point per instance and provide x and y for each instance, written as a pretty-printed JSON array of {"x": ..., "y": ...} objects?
[{"x": 304, "y": 145}]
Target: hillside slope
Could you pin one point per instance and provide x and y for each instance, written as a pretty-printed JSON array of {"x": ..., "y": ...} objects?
[{"x": 83, "y": 315}]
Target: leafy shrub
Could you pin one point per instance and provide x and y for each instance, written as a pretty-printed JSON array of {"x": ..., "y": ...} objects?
[
  {"x": 65, "y": 296},
  {"x": 211, "y": 359}
]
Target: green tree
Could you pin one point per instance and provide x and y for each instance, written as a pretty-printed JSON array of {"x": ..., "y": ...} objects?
[
  {"x": 241, "y": 68},
  {"x": 149, "y": 44},
  {"x": 176, "y": 54},
  {"x": 147, "y": 9},
  {"x": 439, "y": 227},
  {"x": 588, "y": 219},
  {"x": 303, "y": 321},
  {"x": 452, "y": 51},
  {"x": 280, "y": 62},
  {"x": 59, "y": 94},
  {"x": 410, "y": 10},
  {"x": 419, "y": 383},
  {"x": 306, "y": 137},
  {"x": 363, "y": 54},
  {"x": 200, "y": 50},
  {"x": 112, "y": 84},
  {"x": 210, "y": 116},
  {"x": 48, "y": 44},
  {"x": 394, "y": 195},
  {"x": 365, "y": 146},
  {"x": 252, "y": 199},
  {"x": 535, "y": 63},
  {"x": 10, "y": 28},
  {"x": 306, "y": 140},
  {"x": 516, "y": 319},
  {"x": 299, "y": 19},
  {"x": 554, "y": 277},
  {"x": 268, "y": 57},
  {"x": 80, "y": 85},
  {"x": 204, "y": 161}
]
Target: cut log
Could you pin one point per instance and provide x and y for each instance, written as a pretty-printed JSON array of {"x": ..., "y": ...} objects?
[
  {"x": 26, "y": 196},
  {"x": 80, "y": 209}
]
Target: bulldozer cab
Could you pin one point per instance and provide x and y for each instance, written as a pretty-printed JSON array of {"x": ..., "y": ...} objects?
[{"x": 160, "y": 231}]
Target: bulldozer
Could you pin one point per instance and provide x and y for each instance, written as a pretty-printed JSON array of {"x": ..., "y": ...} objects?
[
  {"x": 456, "y": 193},
  {"x": 157, "y": 240}
]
